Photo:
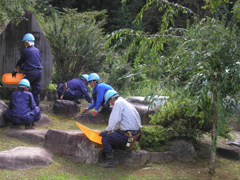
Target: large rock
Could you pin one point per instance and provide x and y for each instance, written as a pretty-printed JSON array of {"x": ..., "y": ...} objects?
[
  {"x": 229, "y": 152},
  {"x": 145, "y": 107},
  {"x": 66, "y": 107},
  {"x": 73, "y": 144},
  {"x": 140, "y": 158},
  {"x": 24, "y": 158},
  {"x": 88, "y": 118},
  {"x": 46, "y": 107},
  {"x": 183, "y": 150},
  {"x": 48, "y": 95},
  {"x": 6, "y": 92},
  {"x": 43, "y": 121},
  {"x": 35, "y": 136},
  {"x": 3, "y": 108}
]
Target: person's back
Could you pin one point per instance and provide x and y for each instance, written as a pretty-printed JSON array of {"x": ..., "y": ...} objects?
[
  {"x": 30, "y": 63},
  {"x": 22, "y": 107},
  {"x": 74, "y": 90},
  {"x": 98, "y": 93},
  {"x": 21, "y": 103},
  {"x": 75, "y": 84}
]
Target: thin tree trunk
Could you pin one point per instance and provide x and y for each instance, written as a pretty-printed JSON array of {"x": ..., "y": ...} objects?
[
  {"x": 214, "y": 136},
  {"x": 214, "y": 139}
]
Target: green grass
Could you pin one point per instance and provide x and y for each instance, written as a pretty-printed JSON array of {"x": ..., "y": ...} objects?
[{"x": 63, "y": 169}]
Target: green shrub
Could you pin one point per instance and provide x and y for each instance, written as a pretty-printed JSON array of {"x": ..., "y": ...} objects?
[
  {"x": 175, "y": 115},
  {"x": 155, "y": 138}
]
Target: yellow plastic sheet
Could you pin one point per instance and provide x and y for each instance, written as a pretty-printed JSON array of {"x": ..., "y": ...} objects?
[{"x": 92, "y": 135}]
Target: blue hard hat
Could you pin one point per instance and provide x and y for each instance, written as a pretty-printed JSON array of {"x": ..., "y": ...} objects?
[
  {"x": 85, "y": 76},
  {"x": 109, "y": 94},
  {"x": 24, "y": 82},
  {"x": 28, "y": 37},
  {"x": 93, "y": 77}
]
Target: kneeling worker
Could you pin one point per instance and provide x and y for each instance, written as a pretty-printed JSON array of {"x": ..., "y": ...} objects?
[
  {"x": 22, "y": 108},
  {"x": 126, "y": 118},
  {"x": 75, "y": 89}
]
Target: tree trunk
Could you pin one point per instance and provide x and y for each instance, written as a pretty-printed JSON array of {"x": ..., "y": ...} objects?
[{"x": 214, "y": 138}]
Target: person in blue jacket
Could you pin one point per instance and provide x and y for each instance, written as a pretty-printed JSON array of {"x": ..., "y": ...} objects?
[
  {"x": 98, "y": 93},
  {"x": 30, "y": 62},
  {"x": 75, "y": 89},
  {"x": 22, "y": 107}
]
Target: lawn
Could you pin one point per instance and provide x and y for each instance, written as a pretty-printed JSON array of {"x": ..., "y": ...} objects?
[{"x": 63, "y": 169}]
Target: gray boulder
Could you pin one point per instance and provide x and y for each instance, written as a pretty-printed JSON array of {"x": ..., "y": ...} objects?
[
  {"x": 66, "y": 107},
  {"x": 24, "y": 158},
  {"x": 147, "y": 107},
  {"x": 88, "y": 118},
  {"x": 34, "y": 136},
  {"x": 73, "y": 144},
  {"x": 183, "y": 150},
  {"x": 43, "y": 121},
  {"x": 3, "y": 108}
]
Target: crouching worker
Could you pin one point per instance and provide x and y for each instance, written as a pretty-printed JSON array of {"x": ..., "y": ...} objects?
[
  {"x": 123, "y": 126},
  {"x": 22, "y": 108},
  {"x": 74, "y": 90}
]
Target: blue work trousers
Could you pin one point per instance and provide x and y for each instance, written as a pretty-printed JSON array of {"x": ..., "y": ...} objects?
[
  {"x": 35, "y": 116},
  {"x": 35, "y": 78},
  {"x": 115, "y": 138}
]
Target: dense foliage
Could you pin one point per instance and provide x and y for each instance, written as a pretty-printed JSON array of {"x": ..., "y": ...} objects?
[
  {"x": 11, "y": 10},
  {"x": 77, "y": 43}
]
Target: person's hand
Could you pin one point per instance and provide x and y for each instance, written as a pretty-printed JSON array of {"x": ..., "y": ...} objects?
[
  {"x": 94, "y": 113},
  {"x": 14, "y": 73},
  {"x": 103, "y": 133},
  {"x": 85, "y": 110}
]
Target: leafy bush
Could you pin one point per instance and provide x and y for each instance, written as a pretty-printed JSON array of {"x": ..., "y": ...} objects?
[
  {"x": 77, "y": 43},
  {"x": 176, "y": 115},
  {"x": 155, "y": 138}
]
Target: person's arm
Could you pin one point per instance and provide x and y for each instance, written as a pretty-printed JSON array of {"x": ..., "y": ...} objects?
[
  {"x": 20, "y": 61},
  {"x": 32, "y": 102},
  {"x": 99, "y": 100},
  {"x": 85, "y": 93}
]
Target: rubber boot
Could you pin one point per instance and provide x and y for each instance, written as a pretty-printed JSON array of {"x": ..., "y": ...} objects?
[{"x": 109, "y": 163}]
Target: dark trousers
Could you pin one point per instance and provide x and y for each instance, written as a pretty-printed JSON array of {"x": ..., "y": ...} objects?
[
  {"x": 115, "y": 138},
  {"x": 35, "y": 78},
  {"x": 35, "y": 116}
]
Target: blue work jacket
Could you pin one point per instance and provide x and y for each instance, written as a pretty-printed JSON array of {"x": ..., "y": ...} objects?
[
  {"x": 30, "y": 59},
  {"x": 98, "y": 95},
  {"x": 78, "y": 84},
  {"x": 21, "y": 104}
]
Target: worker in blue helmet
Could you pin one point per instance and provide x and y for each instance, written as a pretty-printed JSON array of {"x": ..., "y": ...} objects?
[
  {"x": 22, "y": 107},
  {"x": 74, "y": 90},
  {"x": 123, "y": 128},
  {"x": 98, "y": 92},
  {"x": 30, "y": 63}
]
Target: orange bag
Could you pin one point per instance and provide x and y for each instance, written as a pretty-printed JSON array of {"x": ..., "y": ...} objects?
[{"x": 8, "y": 79}]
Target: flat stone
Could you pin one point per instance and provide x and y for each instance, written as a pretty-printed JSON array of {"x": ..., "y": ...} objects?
[
  {"x": 73, "y": 144},
  {"x": 35, "y": 136},
  {"x": 88, "y": 118},
  {"x": 24, "y": 158},
  {"x": 43, "y": 121}
]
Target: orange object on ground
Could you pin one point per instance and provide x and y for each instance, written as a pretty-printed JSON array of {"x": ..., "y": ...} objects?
[
  {"x": 8, "y": 79},
  {"x": 92, "y": 135}
]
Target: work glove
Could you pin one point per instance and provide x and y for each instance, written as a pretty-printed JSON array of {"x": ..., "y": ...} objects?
[
  {"x": 103, "y": 133},
  {"x": 14, "y": 73},
  {"x": 94, "y": 113},
  {"x": 85, "y": 110}
]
